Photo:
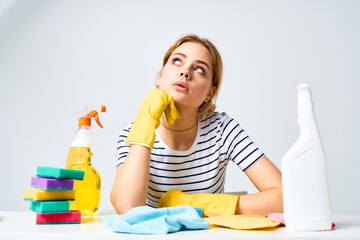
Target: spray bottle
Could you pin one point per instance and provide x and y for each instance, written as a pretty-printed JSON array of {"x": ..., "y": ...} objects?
[
  {"x": 305, "y": 189},
  {"x": 87, "y": 192}
]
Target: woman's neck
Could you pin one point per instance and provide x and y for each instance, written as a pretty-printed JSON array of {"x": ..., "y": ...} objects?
[{"x": 181, "y": 135}]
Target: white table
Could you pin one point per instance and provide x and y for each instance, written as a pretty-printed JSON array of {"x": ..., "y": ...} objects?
[{"x": 21, "y": 225}]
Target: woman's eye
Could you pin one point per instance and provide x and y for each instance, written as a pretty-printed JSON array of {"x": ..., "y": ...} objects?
[
  {"x": 176, "y": 61},
  {"x": 200, "y": 70}
]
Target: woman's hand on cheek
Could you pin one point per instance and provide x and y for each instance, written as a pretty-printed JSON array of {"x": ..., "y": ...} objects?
[
  {"x": 171, "y": 112},
  {"x": 147, "y": 120}
]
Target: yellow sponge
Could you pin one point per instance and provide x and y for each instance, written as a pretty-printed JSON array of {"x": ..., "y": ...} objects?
[
  {"x": 242, "y": 222},
  {"x": 44, "y": 195}
]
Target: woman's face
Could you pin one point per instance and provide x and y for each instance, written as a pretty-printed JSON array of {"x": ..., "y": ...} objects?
[{"x": 187, "y": 75}]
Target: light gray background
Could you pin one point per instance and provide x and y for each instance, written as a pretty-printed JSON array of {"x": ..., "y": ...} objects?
[{"x": 57, "y": 56}]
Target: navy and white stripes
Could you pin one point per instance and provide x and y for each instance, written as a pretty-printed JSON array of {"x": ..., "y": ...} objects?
[{"x": 202, "y": 167}]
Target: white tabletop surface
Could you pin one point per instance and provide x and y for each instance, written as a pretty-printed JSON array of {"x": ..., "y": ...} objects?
[{"x": 21, "y": 225}]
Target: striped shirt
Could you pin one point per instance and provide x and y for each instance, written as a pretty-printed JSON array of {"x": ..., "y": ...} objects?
[{"x": 202, "y": 167}]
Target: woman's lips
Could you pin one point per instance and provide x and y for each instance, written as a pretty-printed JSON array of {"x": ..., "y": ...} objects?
[{"x": 181, "y": 86}]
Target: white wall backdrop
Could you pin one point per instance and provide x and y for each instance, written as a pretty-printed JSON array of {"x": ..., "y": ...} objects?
[{"x": 57, "y": 56}]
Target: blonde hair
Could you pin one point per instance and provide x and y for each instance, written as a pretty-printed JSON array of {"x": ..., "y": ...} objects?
[{"x": 216, "y": 61}]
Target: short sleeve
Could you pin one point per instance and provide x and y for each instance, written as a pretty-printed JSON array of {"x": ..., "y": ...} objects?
[
  {"x": 238, "y": 145},
  {"x": 123, "y": 149}
]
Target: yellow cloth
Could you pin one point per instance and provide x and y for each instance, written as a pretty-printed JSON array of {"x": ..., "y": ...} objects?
[
  {"x": 42, "y": 195},
  {"x": 147, "y": 120},
  {"x": 242, "y": 222},
  {"x": 208, "y": 202}
]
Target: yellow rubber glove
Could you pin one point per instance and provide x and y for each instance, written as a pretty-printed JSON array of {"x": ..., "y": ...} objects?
[
  {"x": 142, "y": 131},
  {"x": 208, "y": 202}
]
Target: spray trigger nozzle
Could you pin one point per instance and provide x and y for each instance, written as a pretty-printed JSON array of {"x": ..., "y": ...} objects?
[
  {"x": 87, "y": 115},
  {"x": 95, "y": 115}
]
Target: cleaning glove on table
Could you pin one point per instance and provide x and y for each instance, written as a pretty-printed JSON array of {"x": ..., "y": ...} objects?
[
  {"x": 148, "y": 220},
  {"x": 219, "y": 207},
  {"x": 142, "y": 131},
  {"x": 208, "y": 202}
]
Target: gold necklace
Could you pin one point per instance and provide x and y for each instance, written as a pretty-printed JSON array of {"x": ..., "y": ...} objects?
[{"x": 179, "y": 130}]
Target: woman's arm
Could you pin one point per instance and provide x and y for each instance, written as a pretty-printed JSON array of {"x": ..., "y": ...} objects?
[
  {"x": 267, "y": 179},
  {"x": 131, "y": 181},
  {"x": 132, "y": 177}
]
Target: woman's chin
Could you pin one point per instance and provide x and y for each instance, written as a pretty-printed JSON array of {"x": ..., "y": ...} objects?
[{"x": 185, "y": 104}]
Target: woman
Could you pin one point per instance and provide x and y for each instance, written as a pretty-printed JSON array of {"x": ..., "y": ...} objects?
[{"x": 178, "y": 141}]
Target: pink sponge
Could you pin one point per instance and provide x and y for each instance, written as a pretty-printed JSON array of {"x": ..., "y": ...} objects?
[
  {"x": 59, "y": 218},
  {"x": 277, "y": 217}
]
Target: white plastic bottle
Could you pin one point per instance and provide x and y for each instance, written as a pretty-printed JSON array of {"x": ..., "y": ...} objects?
[{"x": 305, "y": 189}]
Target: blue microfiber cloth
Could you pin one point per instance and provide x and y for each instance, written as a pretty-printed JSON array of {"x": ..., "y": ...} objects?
[{"x": 148, "y": 220}]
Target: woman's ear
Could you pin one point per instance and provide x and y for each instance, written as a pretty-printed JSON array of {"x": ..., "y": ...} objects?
[
  {"x": 157, "y": 82},
  {"x": 210, "y": 94}
]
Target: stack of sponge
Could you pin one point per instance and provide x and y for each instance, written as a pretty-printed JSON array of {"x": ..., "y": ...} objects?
[{"x": 50, "y": 198}]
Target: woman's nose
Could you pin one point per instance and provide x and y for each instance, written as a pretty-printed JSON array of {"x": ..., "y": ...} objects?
[{"x": 184, "y": 74}]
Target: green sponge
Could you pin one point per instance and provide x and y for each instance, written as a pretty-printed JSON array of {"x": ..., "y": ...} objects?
[
  {"x": 50, "y": 206},
  {"x": 60, "y": 173}
]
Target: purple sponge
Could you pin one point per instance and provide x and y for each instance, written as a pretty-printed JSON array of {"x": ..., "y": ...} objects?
[{"x": 52, "y": 183}]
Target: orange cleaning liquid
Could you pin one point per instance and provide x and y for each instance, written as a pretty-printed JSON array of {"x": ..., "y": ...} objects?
[{"x": 87, "y": 192}]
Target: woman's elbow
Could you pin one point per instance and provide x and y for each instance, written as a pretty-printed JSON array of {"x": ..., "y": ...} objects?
[
  {"x": 120, "y": 203},
  {"x": 120, "y": 209},
  {"x": 117, "y": 203}
]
